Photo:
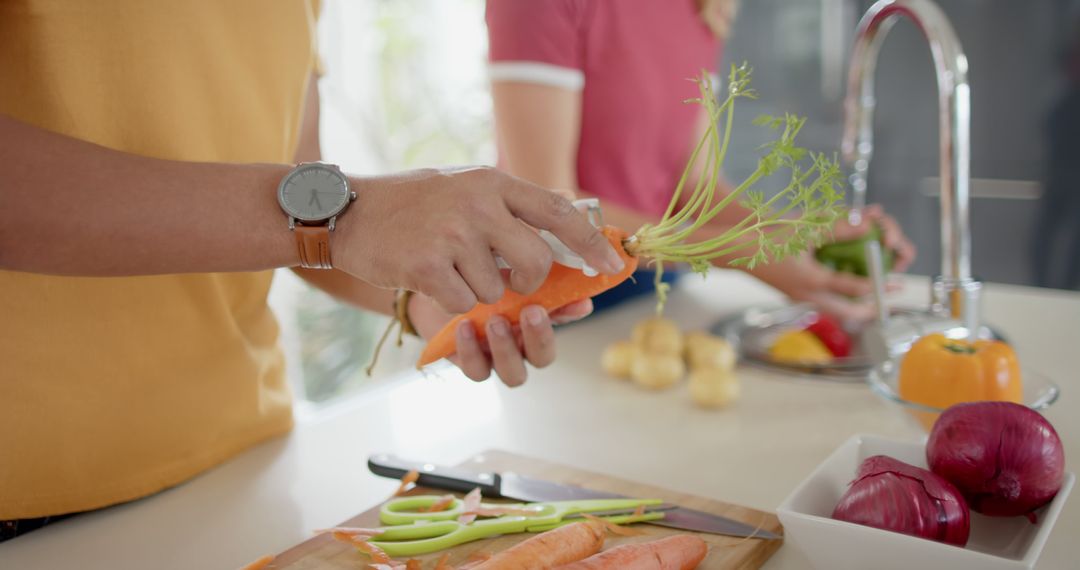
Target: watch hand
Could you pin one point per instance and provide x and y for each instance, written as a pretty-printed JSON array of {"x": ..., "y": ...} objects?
[{"x": 315, "y": 199}]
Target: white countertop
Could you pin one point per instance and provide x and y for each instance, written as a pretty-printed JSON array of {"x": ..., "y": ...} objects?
[{"x": 274, "y": 495}]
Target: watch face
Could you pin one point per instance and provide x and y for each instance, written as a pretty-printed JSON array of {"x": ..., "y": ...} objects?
[{"x": 313, "y": 192}]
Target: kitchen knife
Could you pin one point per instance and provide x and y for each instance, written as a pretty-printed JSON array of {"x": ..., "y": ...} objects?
[{"x": 519, "y": 488}]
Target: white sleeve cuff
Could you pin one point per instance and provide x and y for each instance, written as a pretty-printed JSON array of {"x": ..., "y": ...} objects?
[{"x": 535, "y": 72}]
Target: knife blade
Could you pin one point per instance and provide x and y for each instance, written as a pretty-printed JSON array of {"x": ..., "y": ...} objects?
[{"x": 510, "y": 485}]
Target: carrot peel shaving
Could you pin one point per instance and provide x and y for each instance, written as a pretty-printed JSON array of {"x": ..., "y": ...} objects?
[
  {"x": 438, "y": 506},
  {"x": 352, "y": 531},
  {"x": 374, "y": 552},
  {"x": 407, "y": 482},
  {"x": 470, "y": 504}
]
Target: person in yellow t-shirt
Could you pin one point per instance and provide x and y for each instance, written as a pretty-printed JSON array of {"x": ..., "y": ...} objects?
[{"x": 144, "y": 144}]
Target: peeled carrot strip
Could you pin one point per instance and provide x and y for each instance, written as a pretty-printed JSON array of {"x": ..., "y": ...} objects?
[
  {"x": 406, "y": 481},
  {"x": 376, "y": 553},
  {"x": 470, "y": 504},
  {"x": 260, "y": 563},
  {"x": 413, "y": 564},
  {"x": 564, "y": 285},
  {"x": 351, "y": 531},
  {"x": 678, "y": 552},
  {"x": 438, "y": 506}
]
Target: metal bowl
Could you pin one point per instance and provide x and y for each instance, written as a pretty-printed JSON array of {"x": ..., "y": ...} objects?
[
  {"x": 753, "y": 331},
  {"x": 1039, "y": 392}
]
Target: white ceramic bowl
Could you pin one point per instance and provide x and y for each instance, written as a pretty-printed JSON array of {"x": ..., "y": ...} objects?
[{"x": 995, "y": 543}]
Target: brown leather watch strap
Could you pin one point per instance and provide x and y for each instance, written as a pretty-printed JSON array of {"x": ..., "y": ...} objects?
[{"x": 314, "y": 245}]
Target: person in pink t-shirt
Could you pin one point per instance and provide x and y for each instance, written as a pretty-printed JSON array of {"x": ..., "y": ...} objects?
[{"x": 589, "y": 95}]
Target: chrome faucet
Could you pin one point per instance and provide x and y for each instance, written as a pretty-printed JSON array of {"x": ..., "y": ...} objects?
[{"x": 955, "y": 293}]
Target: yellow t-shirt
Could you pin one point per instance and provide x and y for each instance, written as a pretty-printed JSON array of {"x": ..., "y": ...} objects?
[{"x": 115, "y": 388}]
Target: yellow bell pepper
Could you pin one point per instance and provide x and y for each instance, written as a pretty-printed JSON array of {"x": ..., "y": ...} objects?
[
  {"x": 800, "y": 347},
  {"x": 940, "y": 372}
]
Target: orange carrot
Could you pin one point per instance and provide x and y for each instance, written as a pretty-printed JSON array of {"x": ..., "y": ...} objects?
[
  {"x": 564, "y": 285},
  {"x": 260, "y": 563},
  {"x": 555, "y": 547},
  {"x": 678, "y": 552}
]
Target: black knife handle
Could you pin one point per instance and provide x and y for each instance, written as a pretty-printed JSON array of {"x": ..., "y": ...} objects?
[{"x": 436, "y": 476}]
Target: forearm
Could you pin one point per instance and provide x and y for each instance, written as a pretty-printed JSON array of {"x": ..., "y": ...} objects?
[
  {"x": 69, "y": 207},
  {"x": 350, "y": 290}
]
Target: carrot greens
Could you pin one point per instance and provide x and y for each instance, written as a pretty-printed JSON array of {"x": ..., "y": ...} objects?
[{"x": 789, "y": 222}]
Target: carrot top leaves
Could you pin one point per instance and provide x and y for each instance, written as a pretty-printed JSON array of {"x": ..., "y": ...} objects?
[{"x": 789, "y": 222}]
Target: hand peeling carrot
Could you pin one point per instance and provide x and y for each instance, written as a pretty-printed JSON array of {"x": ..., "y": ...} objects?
[
  {"x": 789, "y": 222},
  {"x": 406, "y": 482},
  {"x": 564, "y": 285},
  {"x": 550, "y": 549},
  {"x": 260, "y": 563},
  {"x": 678, "y": 552}
]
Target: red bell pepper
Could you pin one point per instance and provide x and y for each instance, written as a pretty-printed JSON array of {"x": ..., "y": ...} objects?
[{"x": 832, "y": 335}]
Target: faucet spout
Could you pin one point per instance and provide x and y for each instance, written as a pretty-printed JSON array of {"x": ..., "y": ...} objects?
[{"x": 955, "y": 293}]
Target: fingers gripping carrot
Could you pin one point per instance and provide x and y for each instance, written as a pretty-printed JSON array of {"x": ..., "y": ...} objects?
[
  {"x": 679, "y": 552},
  {"x": 550, "y": 549},
  {"x": 563, "y": 286}
]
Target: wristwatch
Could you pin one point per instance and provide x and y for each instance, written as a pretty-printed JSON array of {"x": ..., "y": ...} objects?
[{"x": 313, "y": 195}]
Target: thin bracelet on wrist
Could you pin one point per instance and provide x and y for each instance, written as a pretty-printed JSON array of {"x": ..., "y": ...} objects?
[
  {"x": 401, "y": 311},
  {"x": 401, "y": 319}
]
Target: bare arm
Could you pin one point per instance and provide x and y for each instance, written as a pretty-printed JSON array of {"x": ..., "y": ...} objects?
[{"x": 70, "y": 207}]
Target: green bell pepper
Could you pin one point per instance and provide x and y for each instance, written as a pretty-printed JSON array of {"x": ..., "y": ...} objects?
[{"x": 850, "y": 256}]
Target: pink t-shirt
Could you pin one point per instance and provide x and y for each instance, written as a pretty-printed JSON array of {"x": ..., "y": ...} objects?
[{"x": 631, "y": 60}]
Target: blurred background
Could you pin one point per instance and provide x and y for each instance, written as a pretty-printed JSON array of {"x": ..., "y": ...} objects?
[{"x": 405, "y": 86}]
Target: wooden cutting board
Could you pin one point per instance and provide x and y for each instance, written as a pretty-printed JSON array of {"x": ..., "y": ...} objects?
[{"x": 728, "y": 553}]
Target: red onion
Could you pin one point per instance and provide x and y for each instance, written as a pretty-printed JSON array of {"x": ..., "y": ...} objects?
[
  {"x": 892, "y": 495},
  {"x": 1005, "y": 458}
]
